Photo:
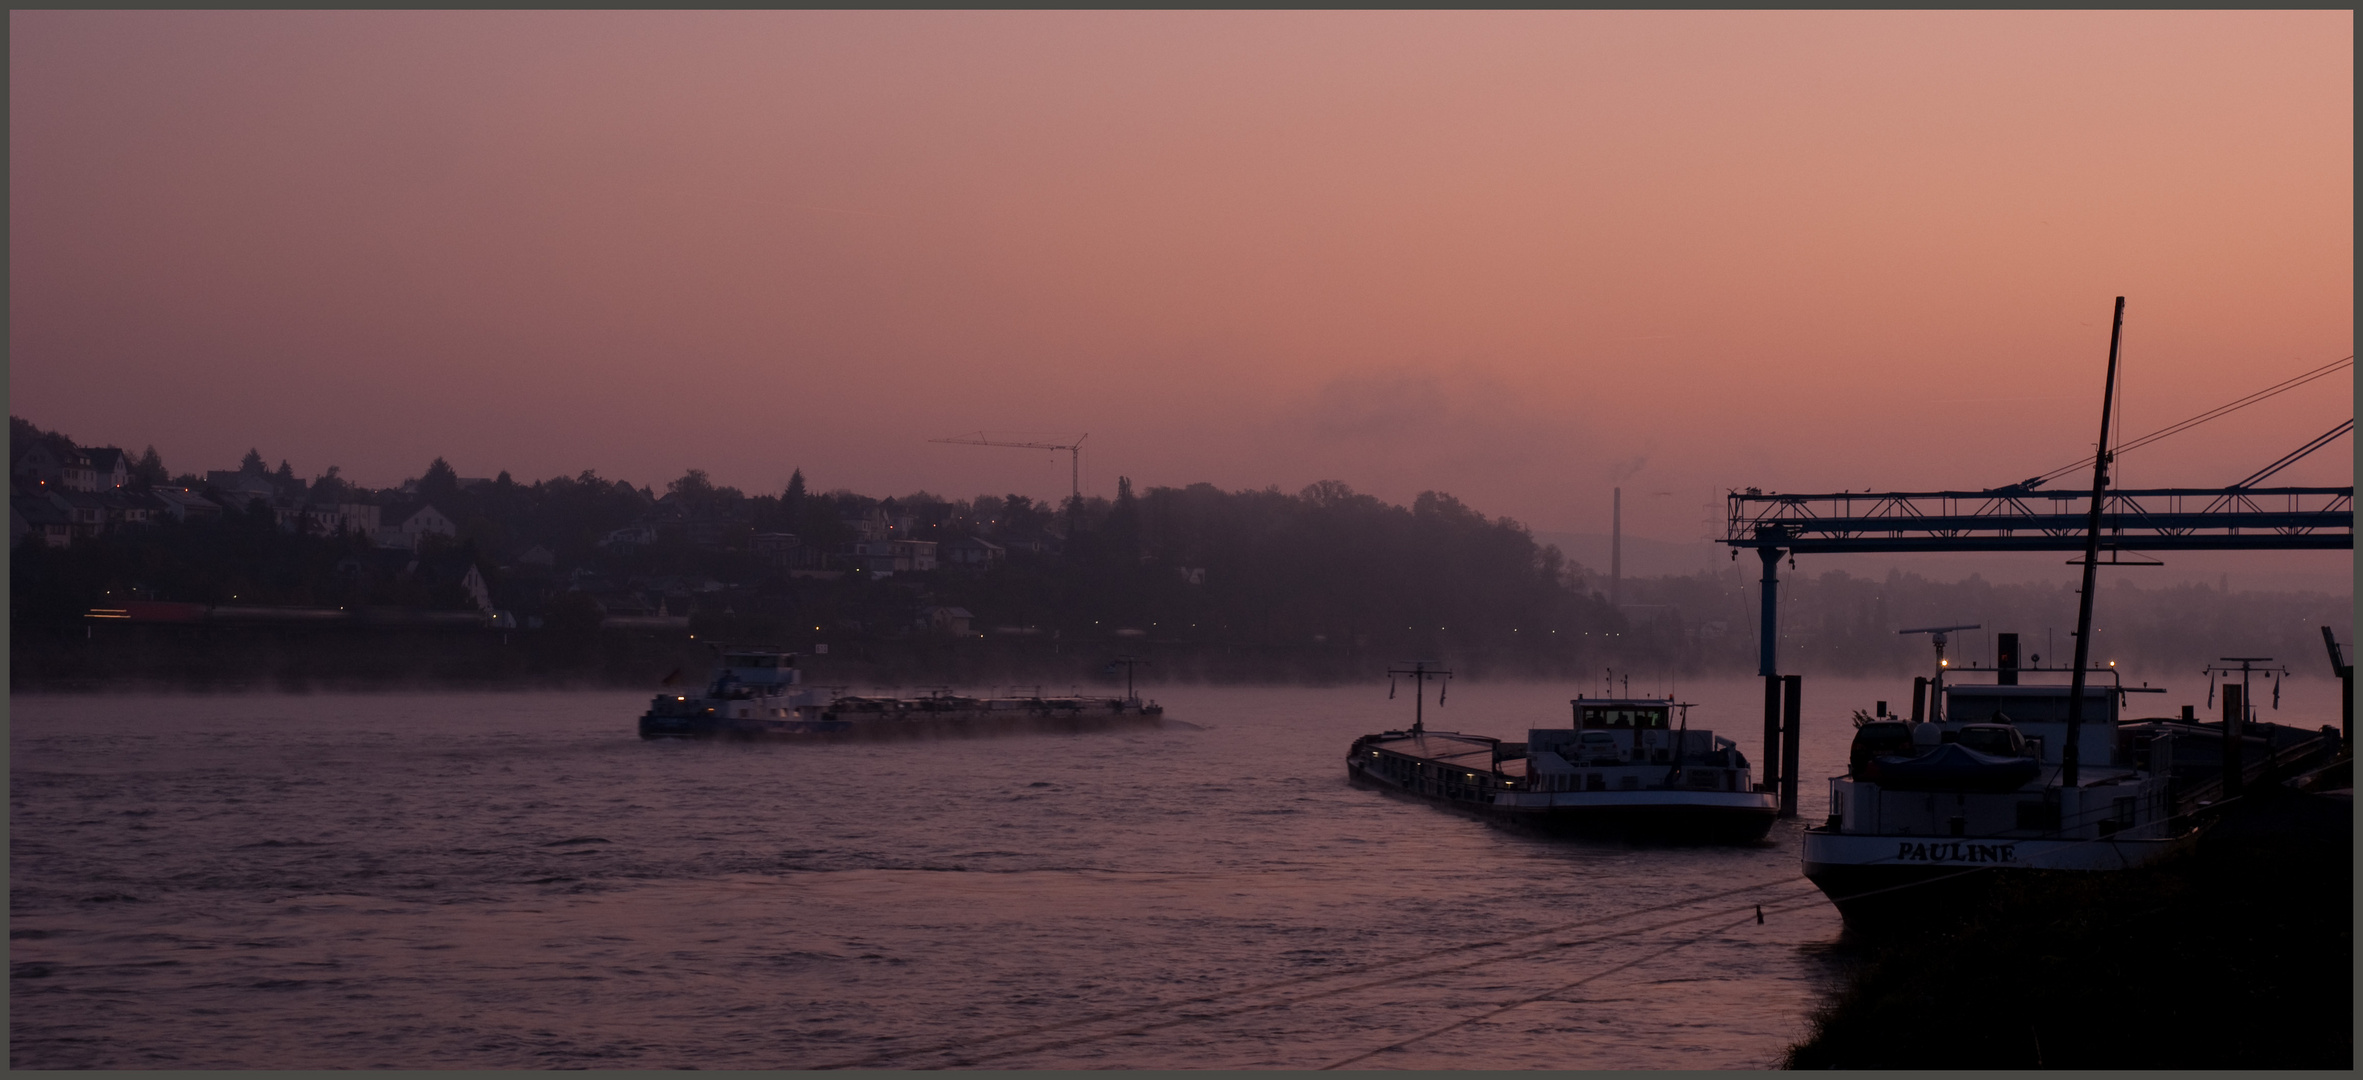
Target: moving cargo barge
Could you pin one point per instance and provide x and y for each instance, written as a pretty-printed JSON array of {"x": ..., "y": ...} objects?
[
  {"x": 763, "y": 695},
  {"x": 1623, "y": 768}
]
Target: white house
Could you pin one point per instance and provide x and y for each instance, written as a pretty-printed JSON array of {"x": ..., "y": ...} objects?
[
  {"x": 110, "y": 468},
  {"x": 425, "y": 520},
  {"x": 883, "y": 557}
]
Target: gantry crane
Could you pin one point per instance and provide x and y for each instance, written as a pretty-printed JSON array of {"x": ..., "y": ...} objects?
[{"x": 1074, "y": 463}]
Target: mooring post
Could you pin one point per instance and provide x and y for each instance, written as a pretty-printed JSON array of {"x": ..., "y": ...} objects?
[
  {"x": 1771, "y": 771},
  {"x": 2345, "y": 671},
  {"x": 1767, "y": 665},
  {"x": 2235, "y": 711},
  {"x": 1791, "y": 735}
]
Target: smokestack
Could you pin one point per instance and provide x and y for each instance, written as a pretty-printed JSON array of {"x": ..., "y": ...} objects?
[{"x": 1616, "y": 547}]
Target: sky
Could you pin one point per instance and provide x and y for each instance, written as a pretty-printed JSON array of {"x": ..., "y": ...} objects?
[{"x": 1521, "y": 257}]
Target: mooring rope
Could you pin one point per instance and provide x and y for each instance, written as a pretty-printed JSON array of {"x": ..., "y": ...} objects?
[
  {"x": 1551, "y": 993},
  {"x": 1332, "y": 991},
  {"x": 1281, "y": 984},
  {"x": 1801, "y": 900}
]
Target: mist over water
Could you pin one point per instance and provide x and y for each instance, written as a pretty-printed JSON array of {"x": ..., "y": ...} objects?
[{"x": 510, "y": 880}]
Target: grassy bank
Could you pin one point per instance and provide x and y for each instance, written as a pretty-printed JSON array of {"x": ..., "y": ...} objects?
[{"x": 2237, "y": 955}]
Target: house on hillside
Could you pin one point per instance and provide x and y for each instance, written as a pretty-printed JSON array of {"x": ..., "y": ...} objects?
[
  {"x": 85, "y": 510},
  {"x": 238, "y": 489},
  {"x": 182, "y": 504},
  {"x": 43, "y": 463},
  {"x": 110, "y": 468},
  {"x": 53, "y": 463},
  {"x": 880, "y": 558},
  {"x": 437, "y": 571},
  {"x": 328, "y": 519},
  {"x": 126, "y": 508},
  {"x": 945, "y": 620},
  {"x": 42, "y": 517},
  {"x": 56, "y": 465},
  {"x": 630, "y": 536},
  {"x": 972, "y": 551},
  {"x": 424, "y": 521}
]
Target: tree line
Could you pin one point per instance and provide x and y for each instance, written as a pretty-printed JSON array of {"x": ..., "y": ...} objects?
[{"x": 1324, "y": 572}]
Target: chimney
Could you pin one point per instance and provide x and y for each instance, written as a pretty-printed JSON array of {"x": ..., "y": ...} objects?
[{"x": 1616, "y": 547}]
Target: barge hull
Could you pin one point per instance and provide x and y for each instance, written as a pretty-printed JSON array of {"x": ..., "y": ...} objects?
[
  {"x": 1651, "y": 816},
  {"x": 1880, "y": 881},
  {"x": 890, "y": 729}
]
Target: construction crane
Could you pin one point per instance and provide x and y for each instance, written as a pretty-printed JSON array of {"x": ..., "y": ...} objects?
[{"x": 1074, "y": 463}]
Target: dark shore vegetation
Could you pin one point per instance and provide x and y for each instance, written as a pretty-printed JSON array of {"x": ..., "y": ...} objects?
[
  {"x": 1320, "y": 585},
  {"x": 2238, "y": 955}
]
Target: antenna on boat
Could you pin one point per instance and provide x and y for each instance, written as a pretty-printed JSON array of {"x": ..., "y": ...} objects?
[
  {"x": 1129, "y": 662},
  {"x": 1936, "y": 635},
  {"x": 1419, "y": 671}
]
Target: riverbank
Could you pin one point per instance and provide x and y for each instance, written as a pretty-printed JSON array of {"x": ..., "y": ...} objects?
[
  {"x": 2236, "y": 955},
  {"x": 233, "y": 658}
]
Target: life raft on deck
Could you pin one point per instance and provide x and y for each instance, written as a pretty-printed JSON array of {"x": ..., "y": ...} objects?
[{"x": 1954, "y": 767}]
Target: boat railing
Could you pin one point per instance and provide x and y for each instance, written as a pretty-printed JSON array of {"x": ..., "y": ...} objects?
[{"x": 2277, "y": 765}]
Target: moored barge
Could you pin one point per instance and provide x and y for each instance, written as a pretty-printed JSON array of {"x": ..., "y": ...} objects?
[
  {"x": 1932, "y": 809},
  {"x": 1624, "y": 768}
]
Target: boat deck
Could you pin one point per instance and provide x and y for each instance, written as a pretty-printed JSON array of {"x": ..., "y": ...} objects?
[{"x": 1471, "y": 752}]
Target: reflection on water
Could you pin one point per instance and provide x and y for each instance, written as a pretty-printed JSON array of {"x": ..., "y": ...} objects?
[{"x": 468, "y": 880}]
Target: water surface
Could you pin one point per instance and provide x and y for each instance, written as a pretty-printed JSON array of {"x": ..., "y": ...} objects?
[{"x": 502, "y": 881}]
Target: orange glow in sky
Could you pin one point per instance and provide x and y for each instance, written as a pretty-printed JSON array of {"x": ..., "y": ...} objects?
[{"x": 1520, "y": 257}]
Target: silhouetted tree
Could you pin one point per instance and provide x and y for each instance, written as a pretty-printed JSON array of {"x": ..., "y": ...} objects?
[
  {"x": 329, "y": 487},
  {"x": 440, "y": 486},
  {"x": 148, "y": 471}
]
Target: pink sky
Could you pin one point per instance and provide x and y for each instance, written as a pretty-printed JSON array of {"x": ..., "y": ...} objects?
[{"x": 1514, "y": 256}]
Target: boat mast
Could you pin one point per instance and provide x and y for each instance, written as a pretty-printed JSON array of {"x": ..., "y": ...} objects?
[
  {"x": 2068, "y": 756},
  {"x": 1420, "y": 673}
]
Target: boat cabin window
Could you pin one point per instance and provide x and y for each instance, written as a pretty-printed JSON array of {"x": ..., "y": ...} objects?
[
  {"x": 750, "y": 660},
  {"x": 1624, "y": 716}
]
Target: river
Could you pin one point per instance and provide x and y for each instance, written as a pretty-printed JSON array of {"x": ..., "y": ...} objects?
[{"x": 455, "y": 880}]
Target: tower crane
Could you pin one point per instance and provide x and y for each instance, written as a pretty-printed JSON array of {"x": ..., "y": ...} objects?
[{"x": 1074, "y": 463}]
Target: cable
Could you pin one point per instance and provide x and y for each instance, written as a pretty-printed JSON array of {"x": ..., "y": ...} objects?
[
  {"x": 2292, "y": 457},
  {"x": 1753, "y": 912},
  {"x": 964, "y": 1062},
  {"x": 2291, "y": 383},
  {"x": 1553, "y": 992},
  {"x": 1299, "y": 980}
]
